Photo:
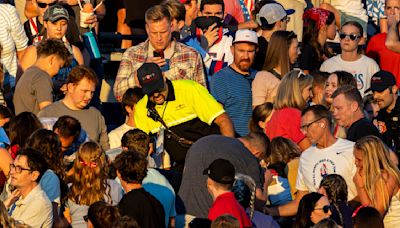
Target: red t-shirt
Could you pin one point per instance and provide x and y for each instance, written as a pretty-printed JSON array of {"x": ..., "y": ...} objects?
[
  {"x": 226, "y": 203},
  {"x": 286, "y": 123},
  {"x": 388, "y": 60}
]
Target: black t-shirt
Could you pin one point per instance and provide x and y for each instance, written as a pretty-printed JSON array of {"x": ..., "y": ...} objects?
[
  {"x": 361, "y": 128},
  {"x": 143, "y": 207},
  {"x": 260, "y": 54},
  {"x": 309, "y": 58},
  {"x": 388, "y": 124},
  {"x": 135, "y": 11}
]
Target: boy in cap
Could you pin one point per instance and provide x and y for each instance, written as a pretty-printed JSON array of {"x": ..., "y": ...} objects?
[
  {"x": 385, "y": 90},
  {"x": 187, "y": 108},
  {"x": 221, "y": 175}
]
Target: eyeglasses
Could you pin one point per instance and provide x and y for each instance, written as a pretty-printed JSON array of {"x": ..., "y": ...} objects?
[
  {"x": 44, "y": 5},
  {"x": 350, "y": 36},
  {"x": 286, "y": 19},
  {"x": 17, "y": 168},
  {"x": 306, "y": 126},
  {"x": 325, "y": 208},
  {"x": 86, "y": 218}
]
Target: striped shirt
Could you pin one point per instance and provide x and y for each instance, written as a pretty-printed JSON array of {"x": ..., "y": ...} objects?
[
  {"x": 233, "y": 91},
  {"x": 12, "y": 38}
]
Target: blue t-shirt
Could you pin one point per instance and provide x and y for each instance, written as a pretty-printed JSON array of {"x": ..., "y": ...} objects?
[
  {"x": 50, "y": 183},
  {"x": 233, "y": 91},
  {"x": 156, "y": 184}
]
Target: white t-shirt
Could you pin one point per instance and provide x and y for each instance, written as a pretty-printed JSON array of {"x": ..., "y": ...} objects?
[
  {"x": 362, "y": 69},
  {"x": 316, "y": 163},
  {"x": 115, "y": 135},
  {"x": 353, "y": 8}
]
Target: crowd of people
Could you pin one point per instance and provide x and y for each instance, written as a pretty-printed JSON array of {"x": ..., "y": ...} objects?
[{"x": 238, "y": 113}]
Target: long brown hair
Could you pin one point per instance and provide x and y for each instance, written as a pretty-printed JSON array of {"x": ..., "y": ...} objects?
[
  {"x": 278, "y": 51},
  {"x": 89, "y": 180}
]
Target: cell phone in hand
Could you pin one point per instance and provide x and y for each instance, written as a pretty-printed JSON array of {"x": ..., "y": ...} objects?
[{"x": 158, "y": 54}]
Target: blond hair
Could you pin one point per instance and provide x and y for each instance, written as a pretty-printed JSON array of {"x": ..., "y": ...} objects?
[
  {"x": 290, "y": 89},
  {"x": 89, "y": 180},
  {"x": 376, "y": 162}
]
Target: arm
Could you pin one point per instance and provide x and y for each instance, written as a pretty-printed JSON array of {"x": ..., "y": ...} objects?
[
  {"x": 43, "y": 104},
  {"x": 30, "y": 9},
  {"x": 225, "y": 125},
  {"x": 5, "y": 161},
  {"x": 77, "y": 55},
  {"x": 123, "y": 28},
  {"x": 304, "y": 144},
  {"x": 289, "y": 209},
  {"x": 392, "y": 39},
  {"x": 17, "y": 32}
]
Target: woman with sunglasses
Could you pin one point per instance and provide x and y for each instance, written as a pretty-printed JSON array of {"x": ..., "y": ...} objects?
[
  {"x": 293, "y": 93},
  {"x": 89, "y": 184},
  {"x": 313, "y": 208},
  {"x": 334, "y": 187},
  {"x": 282, "y": 53},
  {"x": 377, "y": 179},
  {"x": 319, "y": 25},
  {"x": 55, "y": 20}
]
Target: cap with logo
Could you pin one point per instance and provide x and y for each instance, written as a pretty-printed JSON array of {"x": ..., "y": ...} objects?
[
  {"x": 272, "y": 12},
  {"x": 245, "y": 35},
  {"x": 221, "y": 171},
  {"x": 55, "y": 12},
  {"x": 381, "y": 80},
  {"x": 150, "y": 78}
]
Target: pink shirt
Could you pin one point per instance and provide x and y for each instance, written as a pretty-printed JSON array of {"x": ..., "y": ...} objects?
[{"x": 286, "y": 123}]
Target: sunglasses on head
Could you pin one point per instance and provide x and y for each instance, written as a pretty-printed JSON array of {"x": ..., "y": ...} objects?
[
  {"x": 325, "y": 208},
  {"x": 350, "y": 36},
  {"x": 44, "y": 5}
]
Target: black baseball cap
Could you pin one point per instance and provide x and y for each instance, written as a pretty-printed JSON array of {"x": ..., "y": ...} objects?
[
  {"x": 381, "y": 80},
  {"x": 150, "y": 78},
  {"x": 221, "y": 171}
]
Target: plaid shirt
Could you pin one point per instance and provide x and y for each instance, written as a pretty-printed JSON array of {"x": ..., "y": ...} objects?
[{"x": 185, "y": 63}]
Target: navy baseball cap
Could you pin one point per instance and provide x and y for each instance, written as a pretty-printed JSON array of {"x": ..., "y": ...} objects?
[
  {"x": 381, "y": 80},
  {"x": 221, "y": 171},
  {"x": 150, "y": 78}
]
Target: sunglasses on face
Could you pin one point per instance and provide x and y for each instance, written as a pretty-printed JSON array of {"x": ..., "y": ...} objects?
[
  {"x": 44, "y": 5},
  {"x": 350, "y": 36},
  {"x": 325, "y": 208}
]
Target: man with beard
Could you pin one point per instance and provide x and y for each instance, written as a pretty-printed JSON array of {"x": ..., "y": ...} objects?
[
  {"x": 383, "y": 85},
  {"x": 179, "y": 111},
  {"x": 231, "y": 86}
]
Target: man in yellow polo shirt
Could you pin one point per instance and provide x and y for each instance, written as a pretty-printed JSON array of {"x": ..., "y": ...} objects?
[{"x": 187, "y": 109}]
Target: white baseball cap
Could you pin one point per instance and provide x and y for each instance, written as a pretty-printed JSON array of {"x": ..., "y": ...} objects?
[
  {"x": 273, "y": 12},
  {"x": 245, "y": 35}
]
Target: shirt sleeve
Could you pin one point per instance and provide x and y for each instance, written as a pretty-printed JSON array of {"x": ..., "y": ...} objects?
[
  {"x": 300, "y": 185},
  {"x": 198, "y": 74},
  {"x": 17, "y": 30},
  {"x": 43, "y": 88},
  {"x": 205, "y": 106},
  {"x": 51, "y": 186},
  {"x": 218, "y": 87},
  {"x": 103, "y": 138},
  {"x": 125, "y": 78}
]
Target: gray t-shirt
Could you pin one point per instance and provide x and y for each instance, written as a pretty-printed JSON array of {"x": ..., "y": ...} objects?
[
  {"x": 193, "y": 190},
  {"x": 33, "y": 87},
  {"x": 90, "y": 118}
]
